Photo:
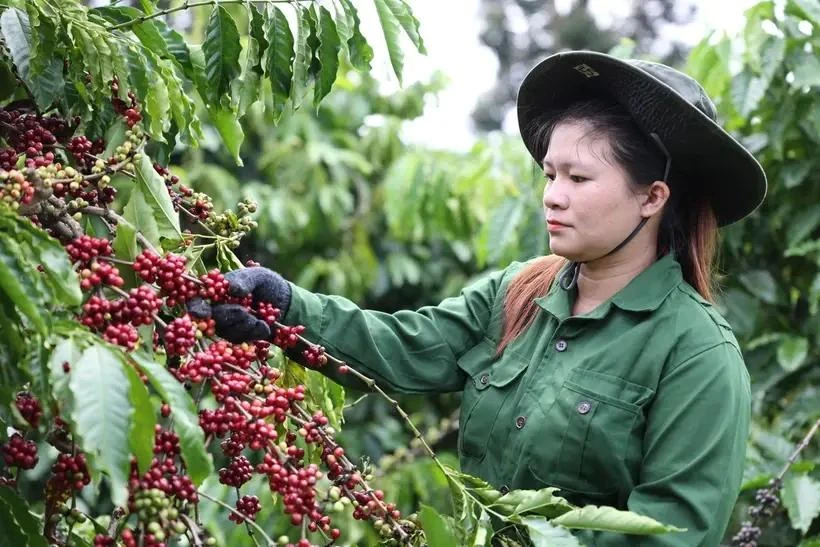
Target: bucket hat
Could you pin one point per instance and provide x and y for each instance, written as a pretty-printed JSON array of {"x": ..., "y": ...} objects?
[{"x": 662, "y": 101}]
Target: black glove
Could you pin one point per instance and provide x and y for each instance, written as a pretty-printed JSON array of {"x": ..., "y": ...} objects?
[
  {"x": 232, "y": 321},
  {"x": 265, "y": 285}
]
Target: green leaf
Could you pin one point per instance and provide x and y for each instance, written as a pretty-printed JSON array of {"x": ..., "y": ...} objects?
[
  {"x": 801, "y": 498},
  {"x": 544, "y": 534},
  {"x": 186, "y": 421},
  {"x": 46, "y": 86},
  {"x": 761, "y": 284},
  {"x": 146, "y": 31},
  {"x": 806, "y": 69},
  {"x": 502, "y": 227},
  {"x": 16, "y": 283},
  {"x": 542, "y": 502},
  {"x": 221, "y": 48},
  {"x": 67, "y": 350},
  {"x": 45, "y": 22},
  {"x": 226, "y": 258},
  {"x": 709, "y": 65},
  {"x": 143, "y": 420},
  {"x": 404, "y": 15},
  {"x": 9, "y": 527},
  {"x": 101, "y": 415},
  {"x": 43, "y": 250},
  {"x": 328, "y": 55},
  {"x": 27, "y": 522},
  {"x": 609, "y": 519},
  {"x": 747, "y": 91},
  {"x": 390, "y": 28},
  {"x": 230, "y": 130},
  {"x": 792, "y": 352},
  {"x": 125, "y": 247},
  {"x": 176, "y": 45},
  {"x": 155, "y": 195},
  {"x": 279, "y": 58},
  {"x": 810, "y": 9},
  {"x": 437, "y": 530},
  {"x": 301, "y": 61},
  {"x": 157, "y": 100},
  {"x": 802, "y": 225},
  {"x": 360, "y": 51}
]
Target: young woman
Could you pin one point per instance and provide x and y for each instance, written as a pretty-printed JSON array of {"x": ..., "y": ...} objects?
[{"x": 602, "y": 369}]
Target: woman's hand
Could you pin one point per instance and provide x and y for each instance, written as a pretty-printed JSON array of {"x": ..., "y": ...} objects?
[{"x": 232, "y": 321}]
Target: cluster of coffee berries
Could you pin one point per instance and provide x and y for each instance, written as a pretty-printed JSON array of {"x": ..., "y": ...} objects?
[
  {"x": 233, "y": 225},
  {"x": 130, "y": 110},
  {"x": 180, "y": 336},
  {"x": 315, "y": 356},
  {"x": 29, "y": 408},
  {"x": 766, "y": 504},
  {"x": 248, "y": 506},
  {"x": 15, "y": 190},
  {"x": 30, "y": 134},
  {"x": 85, "y": 249},
  {"x": 69, "y": 472},
  {"x": 20, "y": 452}
]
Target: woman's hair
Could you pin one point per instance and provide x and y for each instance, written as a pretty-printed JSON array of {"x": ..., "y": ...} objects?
[{"x": 688, "y": 225}]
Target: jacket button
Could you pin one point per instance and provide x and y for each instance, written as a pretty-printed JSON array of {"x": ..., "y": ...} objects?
[
  {"x": 485, "y": 379},
  {"x": 561, "y": 345},
  {"x": 520, "y": 422},
  {"x": 504, "y": 489},
  {"x": 584, "y": 407}
]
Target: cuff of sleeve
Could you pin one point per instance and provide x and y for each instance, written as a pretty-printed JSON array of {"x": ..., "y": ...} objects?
[{"x": 305, "y": 309}]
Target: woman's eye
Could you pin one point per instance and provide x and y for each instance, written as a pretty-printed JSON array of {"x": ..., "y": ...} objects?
[
  {"x": 549, "y": 177},
  {"x": 577, "y": 178}
]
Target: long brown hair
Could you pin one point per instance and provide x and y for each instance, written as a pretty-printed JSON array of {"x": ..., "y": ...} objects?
[{"x": 688, "y": 225}]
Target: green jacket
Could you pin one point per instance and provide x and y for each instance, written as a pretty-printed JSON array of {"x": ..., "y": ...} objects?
[{"x": 643, "y": 403}]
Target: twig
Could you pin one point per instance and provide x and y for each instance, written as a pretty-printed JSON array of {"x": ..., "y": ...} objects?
[
  {"x": 188, "y": 5},
  {"x": 196, "y": 540},
  {"x": 803, "y": 444}
]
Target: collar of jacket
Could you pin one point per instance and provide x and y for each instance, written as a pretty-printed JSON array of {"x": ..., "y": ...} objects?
[{"x": 644, "y": 293}]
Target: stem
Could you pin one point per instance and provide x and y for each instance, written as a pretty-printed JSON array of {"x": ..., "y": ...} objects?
[
  {"x": 188, "y": 5},
  {"x": 197, "y": 221},
  {"x": 110, "y": 215},
  {"x": 196, "y": 541},
  {"x": 117, "y": 514},
  {"x": 256, "y": 527},
  {"x": 803, "y": 444}
]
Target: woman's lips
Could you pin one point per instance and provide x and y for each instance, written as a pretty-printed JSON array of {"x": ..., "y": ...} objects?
[{"x": 554, "y": 226}]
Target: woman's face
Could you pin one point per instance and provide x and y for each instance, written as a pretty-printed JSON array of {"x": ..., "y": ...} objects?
[{"x": 587, "y": 194}]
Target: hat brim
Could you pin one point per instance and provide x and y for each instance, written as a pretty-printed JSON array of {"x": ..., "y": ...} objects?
[{"x": 704, "y": 156}]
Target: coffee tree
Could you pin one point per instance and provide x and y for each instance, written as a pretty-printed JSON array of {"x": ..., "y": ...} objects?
[{"x": 119, "y": 406}]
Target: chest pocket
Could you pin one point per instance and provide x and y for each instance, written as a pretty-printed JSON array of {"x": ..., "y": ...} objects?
[
  {"x": 591, "y": 426},
  {"x": 490, "y": 382}
]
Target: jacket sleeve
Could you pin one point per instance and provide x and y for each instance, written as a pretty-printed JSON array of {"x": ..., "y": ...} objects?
[
  {"x": 694, "y": 451},
  {"x": 407, "y": 351}
]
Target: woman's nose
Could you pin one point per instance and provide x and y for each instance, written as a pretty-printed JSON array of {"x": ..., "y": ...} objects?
[{"x": 554, "y": 197}]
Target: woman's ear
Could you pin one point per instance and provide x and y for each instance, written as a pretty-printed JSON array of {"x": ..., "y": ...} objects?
[{"x": 654, "y": 198}]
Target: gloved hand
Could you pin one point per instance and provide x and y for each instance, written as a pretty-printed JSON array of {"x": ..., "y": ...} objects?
[{"x": 232, "y": 321}]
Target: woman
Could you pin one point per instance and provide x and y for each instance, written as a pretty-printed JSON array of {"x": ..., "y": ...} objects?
[{"x": 602, "y": 369}]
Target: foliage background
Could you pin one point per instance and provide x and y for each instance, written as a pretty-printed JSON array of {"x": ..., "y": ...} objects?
[{"x": 347, "y": 208}]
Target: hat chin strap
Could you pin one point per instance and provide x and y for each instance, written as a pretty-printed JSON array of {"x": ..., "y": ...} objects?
[{"x": 569, "y": 278}]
